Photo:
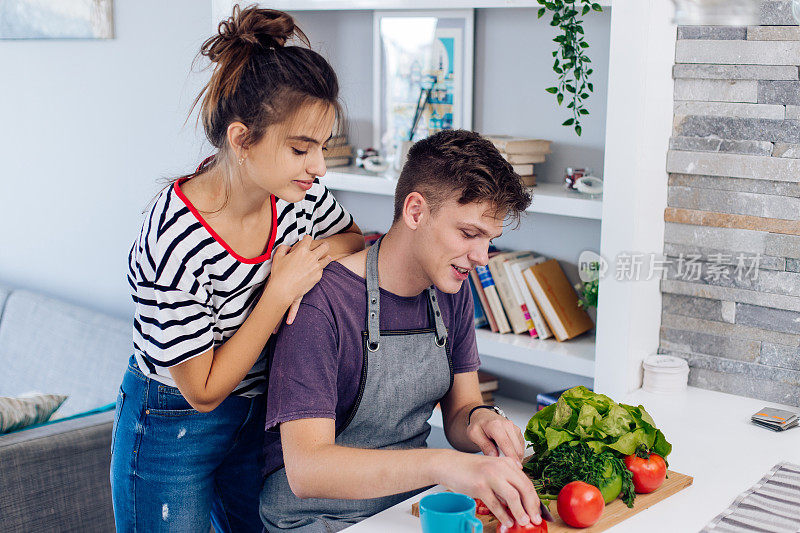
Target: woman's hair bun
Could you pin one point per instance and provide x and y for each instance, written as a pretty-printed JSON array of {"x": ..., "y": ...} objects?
[
  {"x": 252, "y": 27},
  {"x": 259, "y": 77}
]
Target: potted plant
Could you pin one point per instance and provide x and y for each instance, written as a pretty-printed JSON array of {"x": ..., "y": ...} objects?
[{"x": 572, "y": 64}]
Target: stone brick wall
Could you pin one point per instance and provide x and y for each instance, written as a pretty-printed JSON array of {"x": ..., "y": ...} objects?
[{"x": 731, "y": 289}]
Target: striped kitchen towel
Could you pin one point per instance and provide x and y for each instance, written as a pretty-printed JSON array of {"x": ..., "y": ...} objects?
[{"x": 771, "y": 506}]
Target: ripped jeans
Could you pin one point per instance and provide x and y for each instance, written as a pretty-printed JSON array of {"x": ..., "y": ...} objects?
[{"x": 176, "y": 469}]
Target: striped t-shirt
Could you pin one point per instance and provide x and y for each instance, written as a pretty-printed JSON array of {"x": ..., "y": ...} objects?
[{"x": 192, "y": 291}]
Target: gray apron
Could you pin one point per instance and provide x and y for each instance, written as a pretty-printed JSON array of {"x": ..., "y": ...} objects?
[{"x": 404, "y": 374}]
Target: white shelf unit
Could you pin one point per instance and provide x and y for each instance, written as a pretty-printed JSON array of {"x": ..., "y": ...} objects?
[
  {"x": 548, "y": 198},
  {"x": 224, "y": 6},
  {"x": 575, "y": 356}
]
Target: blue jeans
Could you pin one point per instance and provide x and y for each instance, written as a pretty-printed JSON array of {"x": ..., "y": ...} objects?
[{"x": 176, "y": 469}]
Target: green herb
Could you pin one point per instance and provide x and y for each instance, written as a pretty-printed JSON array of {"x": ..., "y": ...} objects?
[
  {"x": 589, "y": 294},
  {"x": 538, "y": 484},
  {"x": 569, "y": 462},
  {"x": 580, "y": 415},
  {"x": 571, "y": 61}
]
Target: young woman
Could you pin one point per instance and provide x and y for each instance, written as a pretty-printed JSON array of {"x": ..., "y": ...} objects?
[{"x": 212, "y": 276}]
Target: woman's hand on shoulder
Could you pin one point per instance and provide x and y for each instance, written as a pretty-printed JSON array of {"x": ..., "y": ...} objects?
[
  {"x": 292, "y": 312},
  {"x": 296, "y": 270}
]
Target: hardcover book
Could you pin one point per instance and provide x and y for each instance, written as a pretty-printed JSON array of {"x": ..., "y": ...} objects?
[
  {"x": 337, "y": 140},
  {"x": 517, "y": 268},
  {"x": 476, "y": 282},
  {"x": 519, "y": 145},
  {"x": 543, "y": 399},
  {"x": 557, "y": 300},
  {"x": 490, "y": 290},
  {"x": 521, "y": 159},
  {"x": 510, "y": 303},
  {"x": 333, "y": 152},
  {"x": 523, "y": 170},
  {"x": 488, "y": 382},
  {"x": 480, "y": 315},
  {"x": 337, "y": 161}
]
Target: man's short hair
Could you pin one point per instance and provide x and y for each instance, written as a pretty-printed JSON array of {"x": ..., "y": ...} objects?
[{"x": 461, "y": 162}]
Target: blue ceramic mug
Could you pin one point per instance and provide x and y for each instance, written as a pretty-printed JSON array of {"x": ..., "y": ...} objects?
[{"x": 449, "y": 512}]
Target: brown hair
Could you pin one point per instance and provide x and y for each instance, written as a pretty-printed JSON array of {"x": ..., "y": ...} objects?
[
  {"x": 464, "y": 163},
  {"x": 258, "y": 80}
]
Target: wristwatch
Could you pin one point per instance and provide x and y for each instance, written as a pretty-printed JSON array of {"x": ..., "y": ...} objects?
[{"x": 492, "y": 407}]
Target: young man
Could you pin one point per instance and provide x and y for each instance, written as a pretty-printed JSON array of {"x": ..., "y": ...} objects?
[{"x": 379, "y": 341}]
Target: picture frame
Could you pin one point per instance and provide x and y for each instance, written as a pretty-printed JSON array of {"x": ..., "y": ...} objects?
[
  {"x": 415, "y": 52},
  {"x": 65, "y": 19}
]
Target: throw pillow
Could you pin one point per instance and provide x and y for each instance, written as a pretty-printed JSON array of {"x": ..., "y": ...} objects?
[{"x": 22, "y": 411}]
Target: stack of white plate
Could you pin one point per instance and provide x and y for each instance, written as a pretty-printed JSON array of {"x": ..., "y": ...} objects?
[{"x": 665, "y": 373}]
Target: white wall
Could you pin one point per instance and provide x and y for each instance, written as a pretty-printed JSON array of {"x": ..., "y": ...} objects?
[
  {"x": 514, "y": 65},
  {"x": 635, "y": 193},
  {"x": 345, "y": 39},
  {"x": 89, "y": 126}
]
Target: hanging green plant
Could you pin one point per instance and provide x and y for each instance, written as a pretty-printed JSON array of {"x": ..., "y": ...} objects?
[{"x": 571, "y": 62}]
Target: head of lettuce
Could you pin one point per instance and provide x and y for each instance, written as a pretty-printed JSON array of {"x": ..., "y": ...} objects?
[{"x": 581, "y": 415}]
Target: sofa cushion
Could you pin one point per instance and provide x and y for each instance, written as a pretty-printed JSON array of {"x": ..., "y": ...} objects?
[
  {"x": 27, "y": 410},
  {"x": 52, "y": 346}
]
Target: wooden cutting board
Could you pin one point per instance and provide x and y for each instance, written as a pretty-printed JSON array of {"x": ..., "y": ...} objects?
[{"x": 614, "y": 513}]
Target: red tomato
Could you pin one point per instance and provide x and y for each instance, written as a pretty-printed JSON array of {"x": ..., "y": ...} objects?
[
  {"x": 580, "y": 504},
  {"x": 516, "y": 528},
  {"x": 480, "y": 507},
  {"x": 648, "y": 474}
]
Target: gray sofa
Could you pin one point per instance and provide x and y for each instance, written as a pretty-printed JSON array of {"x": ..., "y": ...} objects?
[{"x": 56, "y": 477}]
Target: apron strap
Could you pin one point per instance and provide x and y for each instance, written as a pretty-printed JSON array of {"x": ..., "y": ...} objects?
[
  {"x": 373, "y": 298},
  {"x": 374, "y": 303},
  {"x": 441, "y": 330}
]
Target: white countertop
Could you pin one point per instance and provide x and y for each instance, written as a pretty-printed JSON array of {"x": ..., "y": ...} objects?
[{"x": 712, "y": 440}]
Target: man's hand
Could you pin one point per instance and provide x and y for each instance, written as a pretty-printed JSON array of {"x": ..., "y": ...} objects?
[
  {"x": 494, "y": 434},
  {"x": 317, "y": 467},
  {"x": 498, "y": 481}
]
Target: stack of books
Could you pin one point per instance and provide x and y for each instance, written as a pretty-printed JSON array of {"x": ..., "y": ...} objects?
[
  {"x": 339, "y": 153},
  {"x": 522, "y": 153},
  {"x": 524, "y": 293},
  {"x": 489, "y": 384}
]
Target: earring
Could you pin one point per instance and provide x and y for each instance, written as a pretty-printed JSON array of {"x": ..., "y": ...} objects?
[{"x": 241, "y": 161}]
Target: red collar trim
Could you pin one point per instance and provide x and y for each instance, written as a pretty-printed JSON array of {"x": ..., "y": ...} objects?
[{"x": 253, "y": 261}]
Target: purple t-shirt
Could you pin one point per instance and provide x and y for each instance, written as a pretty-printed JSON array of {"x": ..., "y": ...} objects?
[{"x": 316, "y": 368}]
